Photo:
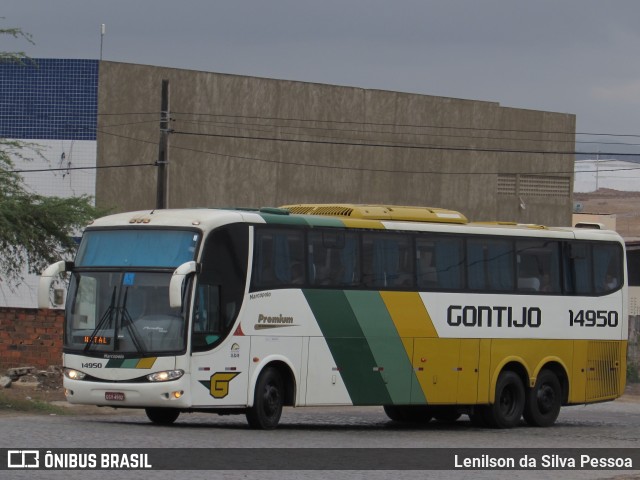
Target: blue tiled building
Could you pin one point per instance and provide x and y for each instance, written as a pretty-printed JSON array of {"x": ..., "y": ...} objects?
[
  {"x": 51, "y": 103},
  {"x": 49, "y": 98}
]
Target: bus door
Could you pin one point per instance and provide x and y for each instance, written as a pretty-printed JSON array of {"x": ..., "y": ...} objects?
[{"x": 219, "y": 360}]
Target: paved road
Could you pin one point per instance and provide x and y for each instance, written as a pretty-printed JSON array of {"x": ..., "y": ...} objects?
[{"x": 613, "y": 425}]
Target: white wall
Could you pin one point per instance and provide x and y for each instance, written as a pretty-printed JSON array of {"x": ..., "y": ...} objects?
[{"x": 66, "y": 183}]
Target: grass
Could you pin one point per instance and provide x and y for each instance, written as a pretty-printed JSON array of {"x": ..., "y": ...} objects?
[{"x": 13, "y": 403}]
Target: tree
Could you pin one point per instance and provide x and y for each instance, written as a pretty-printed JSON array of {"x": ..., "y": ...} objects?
[{"x": 35, "y": 230}]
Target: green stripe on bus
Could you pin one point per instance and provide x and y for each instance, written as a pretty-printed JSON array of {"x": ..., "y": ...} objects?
[
  {"x": 319, "y": 221},
  {"x": 305, "y": 220},
  {"x": 387, "y": 347},
  {"x": 348, "y": 346},
  {"x": 130, "y": 363},
  {"x": 283, "y": 219}
]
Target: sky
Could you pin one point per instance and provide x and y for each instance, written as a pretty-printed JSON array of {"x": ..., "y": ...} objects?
[{"x": 569, "y": 56}]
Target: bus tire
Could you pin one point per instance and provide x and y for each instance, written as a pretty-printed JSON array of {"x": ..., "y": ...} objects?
[
  {"x": 408, "y": 413},
  {"x": 268, "y": 401},
  {"x": 544, "y": 400},
  {"x": 162, "y": 416},
  {"x": 508, "y": 406}
]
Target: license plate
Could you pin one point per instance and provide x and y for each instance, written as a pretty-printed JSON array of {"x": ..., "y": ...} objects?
[{"x": 117, "y": 396}]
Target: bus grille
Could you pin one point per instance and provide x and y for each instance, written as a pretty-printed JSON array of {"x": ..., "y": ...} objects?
[
  {"x": 331, "y": 210},
  {"x": 603, "y": 370}
]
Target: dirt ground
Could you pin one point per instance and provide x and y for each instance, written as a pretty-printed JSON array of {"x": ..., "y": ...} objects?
[{"x": 625, "y": 206}]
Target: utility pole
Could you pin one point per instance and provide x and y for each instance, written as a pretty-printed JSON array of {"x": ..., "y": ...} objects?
[
  {"x": 163, "y": 151},
  {"x": 103, "y": 30}
]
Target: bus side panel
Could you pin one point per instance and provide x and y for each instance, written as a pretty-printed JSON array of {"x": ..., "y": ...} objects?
[
  {"x": 468, "y": 371},
  {"x": 438, "y": 361},
  {"x": 484, "y": 371},
  {"x": 447, "y": 369},
  {"x": 393, "y": 360},
  {"x": 578, "y": 377},
  {"x": 365, "y": 345},
  {"x": 266, "y": 349},
  {"x": 325, "y": 385},
  {"x": 599, "y": 371},
  {"x": 220, "y": 377},
  {"x": 605, "y": 376}
]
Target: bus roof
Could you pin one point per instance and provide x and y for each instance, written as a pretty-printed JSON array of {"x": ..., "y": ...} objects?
[
  {"x": 379, "y": 212},
  {"x": 342, "y": 216}
]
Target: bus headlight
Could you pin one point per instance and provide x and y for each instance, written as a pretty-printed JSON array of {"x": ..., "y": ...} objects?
[
  {"x": 165, "y": 376},
  {"x": 72, "y": 374}
]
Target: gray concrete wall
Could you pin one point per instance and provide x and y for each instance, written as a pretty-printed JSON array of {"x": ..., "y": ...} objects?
[{"x": 448, "y": 157}]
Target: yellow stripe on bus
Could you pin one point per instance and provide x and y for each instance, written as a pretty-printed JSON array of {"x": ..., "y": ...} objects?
[
  {"x": 409, "y": 314},
  {"x": 146, "y": 362}
]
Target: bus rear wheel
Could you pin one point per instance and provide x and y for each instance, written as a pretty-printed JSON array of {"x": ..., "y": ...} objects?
[
  {"x": 543, "y": 400},
  {"x": 268, "y": 401},
  {"x": 508, "y": 406},
  {"x": 162, "y": 416}
]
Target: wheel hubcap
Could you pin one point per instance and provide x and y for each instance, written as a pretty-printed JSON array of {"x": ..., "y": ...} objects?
[
  {"x": 271, "y": 400},
  {"x": 546, "y": 398}
]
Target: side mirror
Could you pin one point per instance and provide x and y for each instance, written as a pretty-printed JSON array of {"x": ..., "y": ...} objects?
[
  {"x": 177, "y": 281},
  {"x": 46, "y": 279}
]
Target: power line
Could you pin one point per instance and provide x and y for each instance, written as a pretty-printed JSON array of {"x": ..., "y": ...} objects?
[
  {"x": 356, "y": 122},
  {"x": 313, "y": 165},
  {"x": 100, "y": 167},
  {"x": 244, "y": 126},
  {"x": 453, "y": 127},
  {"x": 402, "y": 146}
]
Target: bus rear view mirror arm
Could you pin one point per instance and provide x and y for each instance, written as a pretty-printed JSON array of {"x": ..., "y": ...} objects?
[
  {"x": 177, "y": 281},
  {"x": 47, "y": 278}
]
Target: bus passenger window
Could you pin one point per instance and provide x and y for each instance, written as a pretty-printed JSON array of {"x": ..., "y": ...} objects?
[
  {"x": 607, "y": 268},
  {"x": 388, "y": 261},
  {"x": 279, "y": 259},
  {"x": 490, "y": 264},
  {"x": 580, "y": 276},
  {"x": 333, "y": 258},
  {"x": 538, "y": 266},
  {"x": 439, "y": 262}
]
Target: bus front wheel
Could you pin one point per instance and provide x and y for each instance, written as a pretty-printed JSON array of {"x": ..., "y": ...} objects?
[
  {"x": 543, "y": 400},
  {"x": 268, "y": 401},
  {"x": 162, "y": 416}
]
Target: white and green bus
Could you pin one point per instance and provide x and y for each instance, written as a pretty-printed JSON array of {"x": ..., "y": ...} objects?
[{"x": 414, "y": 309}]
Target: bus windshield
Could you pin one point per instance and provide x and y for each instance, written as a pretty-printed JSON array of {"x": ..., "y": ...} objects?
[
  {"x": 124, "y": 312},
  {"x": 136, "y": 248}
]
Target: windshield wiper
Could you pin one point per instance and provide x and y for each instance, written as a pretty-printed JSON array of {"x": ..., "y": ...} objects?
[
  {"x": 127, "y": 323},
  {"x": 107, "y": 316}
]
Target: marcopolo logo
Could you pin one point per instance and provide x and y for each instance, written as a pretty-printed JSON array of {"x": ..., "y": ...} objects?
[{"x": 23, "y": 459}]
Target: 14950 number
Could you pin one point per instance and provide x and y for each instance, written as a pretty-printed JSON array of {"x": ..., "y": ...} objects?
[{"x": 593, "y": 318}]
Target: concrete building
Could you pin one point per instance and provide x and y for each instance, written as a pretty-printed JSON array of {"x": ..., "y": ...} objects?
[{"x": 245, "y": 141}]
